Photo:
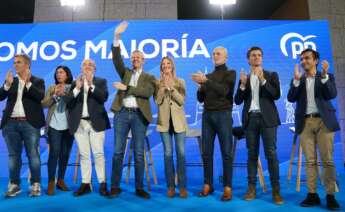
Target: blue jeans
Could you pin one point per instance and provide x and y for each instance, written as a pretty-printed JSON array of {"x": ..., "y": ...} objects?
[
  {"x": 60, "y": 145},
  {"x": 217, "y": 123},
  {"x": 168, "y": 158},
  {"x": 123, "y": 122},
  {"x": 15, "y": 133},
  {"x": 255, "y": 128}
]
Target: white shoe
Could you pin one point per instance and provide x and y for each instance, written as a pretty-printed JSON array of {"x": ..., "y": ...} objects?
[
  {"x": 13, "y": 190},
  {"x": 35, "y": 190}
]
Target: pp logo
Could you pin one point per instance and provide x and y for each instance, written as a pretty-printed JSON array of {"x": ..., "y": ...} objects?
[{"x": 298, "y": 43}]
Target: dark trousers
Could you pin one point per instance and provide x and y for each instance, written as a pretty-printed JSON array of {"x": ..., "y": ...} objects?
[
  {"x": 60, "y": 145},
  {"x": 217, "y": 123},
  {"x": 255, "y": 129}
]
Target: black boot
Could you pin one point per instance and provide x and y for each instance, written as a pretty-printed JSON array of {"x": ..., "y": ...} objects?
[
  {"x": 312, "y": 199},
  {"x": 142, "y": 193},
  {"x": 84, "y": 188},
  {"x": 114, "y": 192},
  {"x": 332, "y": 204},
  {"x": 103, "y": 191}
]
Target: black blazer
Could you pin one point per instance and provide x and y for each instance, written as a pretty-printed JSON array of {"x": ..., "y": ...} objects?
[
  {"x": 95, "y": 104},
  {"x": 323, "y": 94},
  {"x": 268, "y": 93},
  {"x": 31, "y": 102}
]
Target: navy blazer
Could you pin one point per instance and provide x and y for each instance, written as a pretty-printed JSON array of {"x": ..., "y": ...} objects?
[
  {"x": 95, "y": 105},
  {"x": 323, "y": 94},
  {"x": 268, "y": 93},
  {"x": 31, "y": 102}
]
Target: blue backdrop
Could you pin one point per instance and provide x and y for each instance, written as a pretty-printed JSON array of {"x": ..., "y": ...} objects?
[{"x": 189, "y": 42}]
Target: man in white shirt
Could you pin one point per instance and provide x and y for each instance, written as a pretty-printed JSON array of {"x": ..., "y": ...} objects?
[
  {"x": 316, "y": 123},
  {"x": 21, "y": 122},
  {"x": 88, "y": 121},
  {"x": 260, "y": 118}
]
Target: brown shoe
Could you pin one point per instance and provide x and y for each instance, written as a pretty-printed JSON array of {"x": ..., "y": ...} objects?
[
  {"x": 60, "y": 184},
  {"x": 171, "y": 192},
  {"x": 251, "y": 193},
  {"x": 183, "y": 193},
  {"x": 277, "y": 199},
  {"x": 50, "y": 190},
  {"x": 227, "y": 195},
  {"x": 207, "y": 190}
]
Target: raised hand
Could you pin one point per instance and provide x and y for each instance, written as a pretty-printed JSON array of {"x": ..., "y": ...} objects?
[
  {"x": 9, "y": 78},
  {"x": 260, "y": 74},
  {"x": 79, "y": 82},
  {"x": 119, "y": 86},
  {"x": 243, "y": 77},
  {"x": 59, "y": 90},
  {"x": 199, "y": 77},
  {"x": 325, "y": 67},
  {"x": 27, "y": 76},
  {"x": 120, "y": 28},
  {"x": 297, "y": 73}
]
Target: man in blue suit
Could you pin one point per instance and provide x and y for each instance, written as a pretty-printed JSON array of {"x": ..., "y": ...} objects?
[{"x": 316, "y": 123}]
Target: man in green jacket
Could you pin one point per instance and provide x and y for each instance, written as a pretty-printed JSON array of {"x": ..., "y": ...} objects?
[{"x": 132, "y": 112}]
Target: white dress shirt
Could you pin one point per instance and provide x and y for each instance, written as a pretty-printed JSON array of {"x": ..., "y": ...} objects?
[
  {"x": 310, "y": 88},
  {"x": 255, "y": 88},
  {"x": 18, "y": 110},
  {"x": 76, "y": 91},
  {"x": 130, "y": 101}
]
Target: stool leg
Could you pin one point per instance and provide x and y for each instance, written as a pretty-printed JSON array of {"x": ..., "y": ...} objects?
[
  {"x": 147, "y": 172},
  {"x": 292, "y": 156},
  {"x": 155, "y": 181},
  {"x": 129, "y": 162},
  {"x": 261, "y": 176},
  {"x": 126, "y": 149},
  {"x": 77, "y": 159},
  {"x": 299, "y": 167},
  {"x": 200, "y": 149}
]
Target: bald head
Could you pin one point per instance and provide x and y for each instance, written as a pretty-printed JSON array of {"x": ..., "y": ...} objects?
[
  {"x": 220, "y": 55},
  {"x": 88, "y": 66}
]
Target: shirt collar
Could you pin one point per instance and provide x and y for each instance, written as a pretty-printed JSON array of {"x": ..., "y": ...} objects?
[{"x": 138, "y": 71}]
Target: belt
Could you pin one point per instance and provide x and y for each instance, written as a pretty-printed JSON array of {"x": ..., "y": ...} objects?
[
  {"x": 255, "y": 112},
  {"x": 313, "y": 115},
  {"x": 131, "y": 109},
  {"x": 86, "y": 118},
  {"x": 23, "y": 118}
]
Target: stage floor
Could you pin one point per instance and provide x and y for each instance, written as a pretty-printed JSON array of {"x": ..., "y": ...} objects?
[{"x": 127, "y": 201}]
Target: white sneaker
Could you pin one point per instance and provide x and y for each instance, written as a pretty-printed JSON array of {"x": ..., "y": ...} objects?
[
  {"x": 13, "y": 190},
  {"x": 35, "y": 190}
]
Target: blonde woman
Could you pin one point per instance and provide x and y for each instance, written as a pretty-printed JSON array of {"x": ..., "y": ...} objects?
[{"x": 170, "y": 97}]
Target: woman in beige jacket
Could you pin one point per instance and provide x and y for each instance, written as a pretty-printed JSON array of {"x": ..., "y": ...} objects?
[
  {"x": 59, "y": 139},
  {"x": 170, "y": 97}
]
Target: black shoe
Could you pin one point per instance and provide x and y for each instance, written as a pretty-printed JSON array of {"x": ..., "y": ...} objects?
[
  {"x": 311, "y": 200},
  {"x": 114, "y": 192},
  {"x": 141, "y": 193},
  {"x": 332, "y": 204},
  {"x": 103, "y": 191},
  {"x": 84, "y": 188}
]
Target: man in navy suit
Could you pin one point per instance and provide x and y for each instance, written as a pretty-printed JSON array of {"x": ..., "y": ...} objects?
[
  {"x": 88, "y": 121},
  {"x": 260, "y": 117},
  {"x": 316, "y": 123}
]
